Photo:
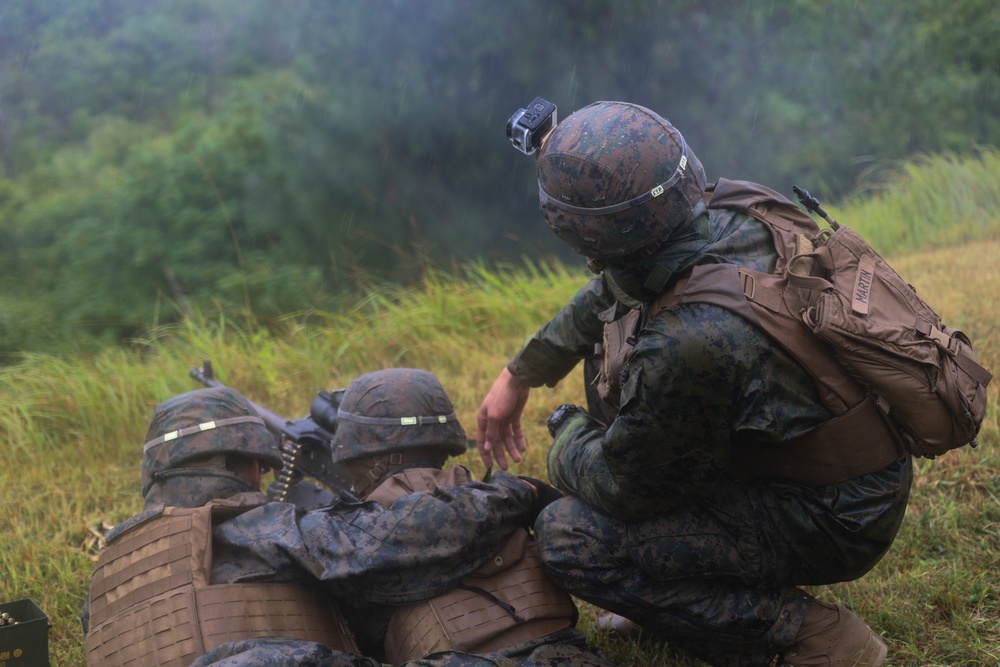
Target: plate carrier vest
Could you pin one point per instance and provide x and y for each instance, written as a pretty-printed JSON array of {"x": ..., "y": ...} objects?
[
  {"x": 508, "y": 600},
  {"x": 151, "y": 602}
]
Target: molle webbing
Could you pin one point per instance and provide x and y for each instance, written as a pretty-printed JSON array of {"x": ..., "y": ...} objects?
[
  {"x": 619, "y": 338},
  {"x": 422, "y": 480},
  {"x": 369, "y": 471},
  {"x": 151, "y": 604},
  {"x": 506, "y": 601}
]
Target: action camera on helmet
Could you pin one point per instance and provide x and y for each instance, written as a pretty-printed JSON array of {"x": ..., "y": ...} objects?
[{"x": 527, "y": 127}]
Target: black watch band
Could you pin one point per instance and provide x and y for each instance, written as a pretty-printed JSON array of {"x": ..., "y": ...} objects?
[{"x": 561, "y": 415}]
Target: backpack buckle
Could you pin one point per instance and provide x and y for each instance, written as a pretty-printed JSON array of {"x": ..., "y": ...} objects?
[{"x": 947, "y": 343}]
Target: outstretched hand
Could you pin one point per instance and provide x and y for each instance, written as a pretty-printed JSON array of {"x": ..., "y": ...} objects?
[{"x": 498, "y": 422}]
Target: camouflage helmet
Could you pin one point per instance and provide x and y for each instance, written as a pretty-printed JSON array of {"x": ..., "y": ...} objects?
[
  {"x": 395, "y": 410},
  {"x": 615, "y": 180},
  {"x": 200, "y": 424}
]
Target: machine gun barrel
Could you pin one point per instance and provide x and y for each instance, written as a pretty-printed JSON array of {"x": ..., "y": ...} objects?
[
  {"x": 206, "y": 375},
  {"x": 306, "y": 448}
]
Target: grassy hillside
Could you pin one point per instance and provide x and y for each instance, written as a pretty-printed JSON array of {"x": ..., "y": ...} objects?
[{"x": 72, "y": 430}]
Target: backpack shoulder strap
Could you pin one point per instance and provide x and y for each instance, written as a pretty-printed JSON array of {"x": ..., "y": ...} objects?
[
  {"x": 792, "y": 229},
  {"x": 764, "y": 301}
]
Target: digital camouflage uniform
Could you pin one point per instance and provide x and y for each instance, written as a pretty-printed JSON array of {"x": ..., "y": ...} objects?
[
  {"x": 279, "y": 652},
  {"x": 662, "y": 527},
  {"x": 353, "y": 550},
  {"x": 397, "y": 427},
  {"x": 565, "y": 649}
]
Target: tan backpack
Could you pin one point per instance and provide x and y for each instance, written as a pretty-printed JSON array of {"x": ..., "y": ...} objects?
[{"x": 850, "y": 320}]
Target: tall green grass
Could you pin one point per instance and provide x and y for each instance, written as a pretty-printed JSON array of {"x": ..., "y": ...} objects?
[
  {"x": 930, "y": 202},
  {"x": 72, "y": 428}
]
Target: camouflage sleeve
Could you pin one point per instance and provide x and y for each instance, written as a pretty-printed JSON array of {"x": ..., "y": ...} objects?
[
  {"x": 552, "y": 352},
  {"x": 671, "y": 434},
  {"x": 420, "y": 546},
  {"x": 700, "y": 382},
  {"x": 576, "y": 463}
]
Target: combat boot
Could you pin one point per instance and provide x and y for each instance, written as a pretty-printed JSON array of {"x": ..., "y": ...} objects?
[{"x": 832, "y": 636}]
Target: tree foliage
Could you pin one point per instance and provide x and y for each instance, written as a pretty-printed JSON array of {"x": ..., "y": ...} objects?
[{"x": 265, "y": 156}]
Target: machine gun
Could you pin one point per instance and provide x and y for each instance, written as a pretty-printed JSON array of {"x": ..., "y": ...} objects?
[{"x": 308, "y": 477}]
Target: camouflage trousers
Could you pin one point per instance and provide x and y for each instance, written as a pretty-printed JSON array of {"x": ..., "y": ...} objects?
[
  {"x": 719, "y": 577},
  {"x": 279, "y": 652},
  {"x": 566, "y": 648}
]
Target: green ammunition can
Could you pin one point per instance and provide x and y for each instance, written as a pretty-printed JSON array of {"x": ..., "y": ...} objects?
[{"x": 26, "y": 642}]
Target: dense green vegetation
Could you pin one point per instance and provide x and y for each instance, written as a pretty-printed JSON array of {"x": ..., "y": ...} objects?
[
  {"x": 304, "y": 190},
  {"x": 72, "y": 427},
  {"x": 265, "y": 157}
]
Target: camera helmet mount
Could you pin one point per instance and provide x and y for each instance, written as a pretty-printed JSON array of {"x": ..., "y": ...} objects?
[{"x": 528, "y": 127}]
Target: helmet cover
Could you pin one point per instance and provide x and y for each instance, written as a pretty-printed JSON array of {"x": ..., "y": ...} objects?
[
  {"x": 394, "y": 410},
  {"x": 616, "y": 179},
  {"x": 201, "y": 424}
]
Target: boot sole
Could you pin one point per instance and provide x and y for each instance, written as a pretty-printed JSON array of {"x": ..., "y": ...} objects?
[{"x": 873, "y": 654}]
